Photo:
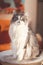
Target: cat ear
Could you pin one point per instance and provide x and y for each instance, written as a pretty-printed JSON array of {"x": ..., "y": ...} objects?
[{"x": 27, "y": 19}]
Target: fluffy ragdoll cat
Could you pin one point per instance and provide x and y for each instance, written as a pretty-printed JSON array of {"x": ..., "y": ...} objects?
[{"x": 23, "y": 41}]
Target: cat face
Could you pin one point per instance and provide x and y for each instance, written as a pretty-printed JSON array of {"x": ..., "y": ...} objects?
[{"x": 22, "y": 19}]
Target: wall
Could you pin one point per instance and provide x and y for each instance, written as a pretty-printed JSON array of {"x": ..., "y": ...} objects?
[
  {"x": 40, "y": 18},
  {"x": 10, "y": 1},
  {"x": 31, "y": 8}
]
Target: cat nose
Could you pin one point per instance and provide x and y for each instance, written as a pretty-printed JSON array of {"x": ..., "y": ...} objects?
[{"x": 18, "y": 22}]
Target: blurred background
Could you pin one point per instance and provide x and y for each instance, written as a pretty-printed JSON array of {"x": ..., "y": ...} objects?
[{"x": 7, "y": 8}]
